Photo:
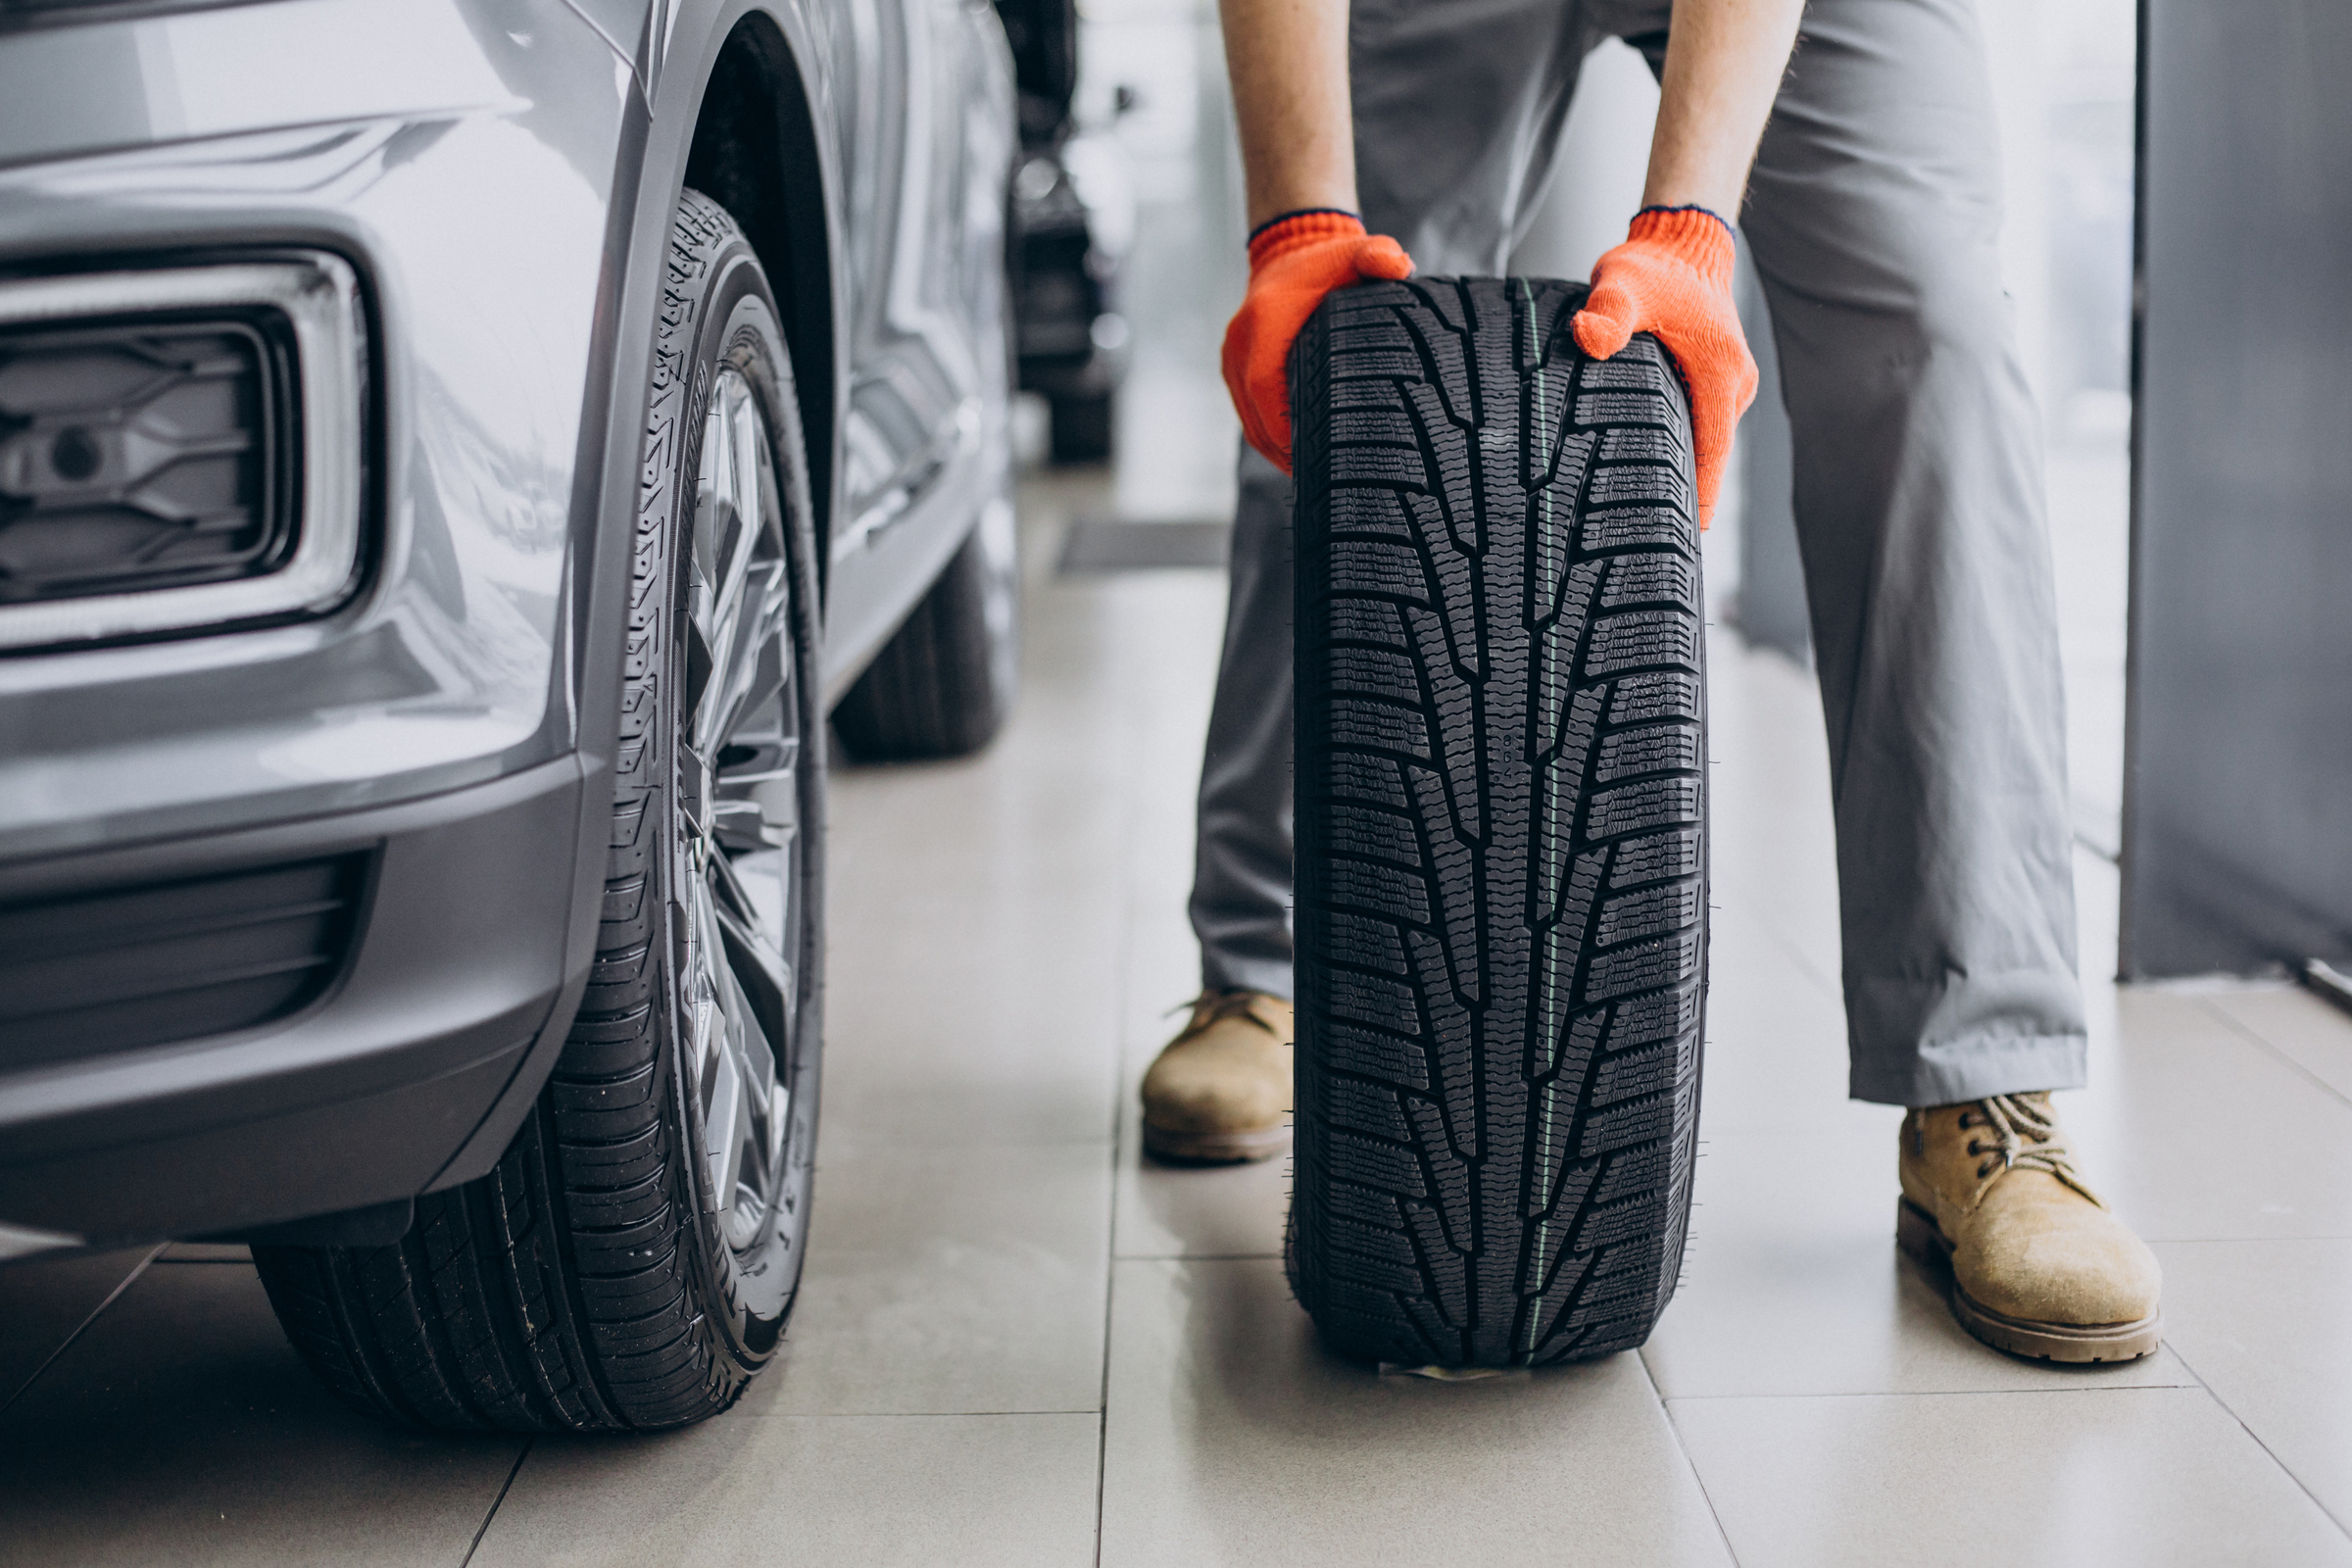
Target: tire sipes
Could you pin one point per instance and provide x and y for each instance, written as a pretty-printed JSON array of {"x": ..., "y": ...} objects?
[
  {"x": 587, "y": 1282},
  {"x": 1501, "y": 827}
]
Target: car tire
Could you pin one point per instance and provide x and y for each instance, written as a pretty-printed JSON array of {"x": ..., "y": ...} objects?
[
  {"x": 945, "y": 682},
  {"x": 630, "y": 1261},
  {"x": 1501, "y": 828},
  {"x": 1081, "y": 427}
]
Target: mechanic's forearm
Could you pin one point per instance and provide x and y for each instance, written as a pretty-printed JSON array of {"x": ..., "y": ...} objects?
[
  {"x": 1289, "y": 63},
  {"x": 1724, "y": 63}
]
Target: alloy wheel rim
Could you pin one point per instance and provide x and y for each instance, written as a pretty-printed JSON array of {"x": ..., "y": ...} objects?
[{"x": 735, "y": 878}]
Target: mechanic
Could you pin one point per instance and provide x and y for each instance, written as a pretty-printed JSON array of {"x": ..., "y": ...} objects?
[{"x": 1871, "y": 211}]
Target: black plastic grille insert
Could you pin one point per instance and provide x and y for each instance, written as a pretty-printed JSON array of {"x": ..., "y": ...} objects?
[
  {"x": 157, "y": 453},
  {"x": 84, "y": 975}
]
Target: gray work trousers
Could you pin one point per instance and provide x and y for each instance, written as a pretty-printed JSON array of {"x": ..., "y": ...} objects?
[{"x": 1871, "y": 217}]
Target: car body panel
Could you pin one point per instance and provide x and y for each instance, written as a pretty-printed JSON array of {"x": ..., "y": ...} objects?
[
  {"x": 444, "y": 672},
  {"x": 928, "y": 136},
  {"x": 501, "y": 173},
  {"x": 372, "y": 1089}
]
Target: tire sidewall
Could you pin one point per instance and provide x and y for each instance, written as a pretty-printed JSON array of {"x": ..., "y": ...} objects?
[{"x": 746, "y": 1299}]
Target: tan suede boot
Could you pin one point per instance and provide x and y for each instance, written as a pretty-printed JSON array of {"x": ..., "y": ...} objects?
[
  {"x": 1220, "y": 1091},
  {"x": 2036, "y": 1263}
]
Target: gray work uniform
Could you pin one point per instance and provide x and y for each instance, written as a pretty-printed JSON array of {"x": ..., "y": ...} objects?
[{"x": 1871, "y": 217}]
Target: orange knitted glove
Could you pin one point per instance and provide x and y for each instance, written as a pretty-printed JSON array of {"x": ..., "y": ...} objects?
[
  {"x": 1294, "y": 262},
  {"x": 1672, "y": 279}
]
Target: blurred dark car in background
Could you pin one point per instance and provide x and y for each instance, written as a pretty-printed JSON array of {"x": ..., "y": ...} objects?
[{"x": 1072, "y": 220}]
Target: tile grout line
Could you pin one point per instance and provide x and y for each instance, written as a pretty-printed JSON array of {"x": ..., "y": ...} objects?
[
  {"x": 2200, "y": 1386},
  {"x": 1120, "y": 992},
  {"x": 1947, "y": 1394},
  {"x": 1676, "y": 1433},
  {"x": 2284, "y": 1468},
  {"x": 1802, "y": 961},
  {"x": 1103, "y": 1415},
  {"x": 740, "y": 1414},
  {"x": 1111, "y": 1267},
  {"x": 2241, "y": 1240},
  {"x": 496, "y": 1502},
  {"x": 79, "y": 1329},
  {"x": 2244, "y": 1032}
]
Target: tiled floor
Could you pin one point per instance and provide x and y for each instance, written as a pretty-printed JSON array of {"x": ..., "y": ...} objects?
[{"x": 1019, "y": 1345}]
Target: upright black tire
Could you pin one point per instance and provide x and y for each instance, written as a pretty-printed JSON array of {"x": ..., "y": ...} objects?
[
  {"x": 945, "y": 682},
  {"x": 605, "y": 1275},
  {"x": 1501, "y": 827}
]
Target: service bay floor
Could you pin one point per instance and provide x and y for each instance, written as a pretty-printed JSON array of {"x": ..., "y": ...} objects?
[{"x": 1018, "y": 1346}]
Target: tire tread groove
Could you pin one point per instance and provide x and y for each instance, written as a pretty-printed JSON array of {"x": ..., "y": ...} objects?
[{"x": 1536, "y": 1173}]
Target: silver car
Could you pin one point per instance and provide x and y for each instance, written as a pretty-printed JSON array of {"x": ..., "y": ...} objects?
[{"x": 455, "y": 458}]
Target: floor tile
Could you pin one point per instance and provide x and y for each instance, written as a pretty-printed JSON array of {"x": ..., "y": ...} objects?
[
  {"x": 1234, "y": 1439},
  {"x": 205, "y": 1253},
  {"x": 1776, "y": 1060},
  {"x": 2099, "y": 914},
  {"x": 180, "y": 1429},
  {"x": 1182, "y": 1212},
  {"x": 1793, "y": 1284},
  {"x": 1772, "y": 842},
  {"x": 950, "y": 1281},
  {"x": 1199, "y": 1211},
  {"x": 814, "y": 1491},
  {"x": 2150, "y": 1477},
  {"x": 2195, "y": 1133},
  {"x": 42, "y": 1304},
  {"x": 979, "y": 908},
  {"x": 966, "y": 1051},
  {"x": 972, "y": 979},
  {"x": 2263, "y": 1324},
  {"x": 1160, "y": 974},
  {"x": 2314, "y": 1034}
]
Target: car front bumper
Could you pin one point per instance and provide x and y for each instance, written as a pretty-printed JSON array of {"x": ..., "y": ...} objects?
[
  {"x": 422, "y": 734},
  {"x": 407, "y": 1073}
]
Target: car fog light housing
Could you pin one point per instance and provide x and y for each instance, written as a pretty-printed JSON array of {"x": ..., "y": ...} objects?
[{"x": 180, "y": 449}]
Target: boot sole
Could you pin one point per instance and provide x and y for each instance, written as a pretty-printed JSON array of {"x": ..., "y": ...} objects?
[
  {"x": 1924, "y": 1242},
  {"x": 1215, "y": 1149}
]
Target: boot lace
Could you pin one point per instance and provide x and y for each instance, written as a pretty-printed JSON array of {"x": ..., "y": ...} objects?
[
  {"x": 1215, "y": 1006},
  {"x": 2024, "y": 1137}
]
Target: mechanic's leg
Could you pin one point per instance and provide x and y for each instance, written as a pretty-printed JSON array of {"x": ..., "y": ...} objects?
[
  {"x": 1458, "y": 110},
  {"x": 1242, "y": 871},
  {"x": 1220, "y": 1091},
  {"x": 1872, "y": 215},
  {"x": 1458, "y": 106}
]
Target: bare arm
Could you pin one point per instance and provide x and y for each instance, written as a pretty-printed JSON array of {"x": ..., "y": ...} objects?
[
  {"x": 1289, "y": 63},
  {"x": 1723, "y": 60}
]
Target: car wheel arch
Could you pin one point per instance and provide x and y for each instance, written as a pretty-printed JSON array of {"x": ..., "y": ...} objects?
[
  {"x": 756, "y": 151},
  {"x": 727, "y": 68}
]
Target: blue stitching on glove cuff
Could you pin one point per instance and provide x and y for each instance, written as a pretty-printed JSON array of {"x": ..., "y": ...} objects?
[
  {"x": 1303, "y": 211},
  {"x": 1689, "y": 207}
]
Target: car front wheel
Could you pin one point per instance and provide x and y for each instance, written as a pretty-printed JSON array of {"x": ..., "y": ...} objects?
[{"x": 631, "y": 1260}]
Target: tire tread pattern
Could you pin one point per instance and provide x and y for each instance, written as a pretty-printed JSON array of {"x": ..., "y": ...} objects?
[{"x": 1502, "y": 856}]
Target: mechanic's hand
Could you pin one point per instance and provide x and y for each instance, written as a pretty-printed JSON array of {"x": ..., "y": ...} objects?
[
  {"x": 1672, "y": 279},
  {"x": 1294, "y": 262}
]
